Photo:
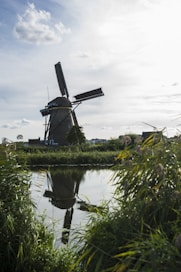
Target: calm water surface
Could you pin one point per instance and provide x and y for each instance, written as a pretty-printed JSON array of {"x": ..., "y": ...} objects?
[{"x": 62, "y": 193}]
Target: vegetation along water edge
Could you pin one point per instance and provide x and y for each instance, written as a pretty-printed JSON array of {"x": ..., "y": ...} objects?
[{"x": 139, "y": 230}]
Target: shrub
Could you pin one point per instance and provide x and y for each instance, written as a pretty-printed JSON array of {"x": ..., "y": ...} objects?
[
  {"x": 141, "y": 232},
  {"x": 26, "y": 243}
]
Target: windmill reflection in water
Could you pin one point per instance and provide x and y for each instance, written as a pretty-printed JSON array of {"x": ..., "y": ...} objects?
[{"x": 63, "y": 190}]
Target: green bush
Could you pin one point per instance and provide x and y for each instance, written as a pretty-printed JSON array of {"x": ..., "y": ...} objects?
[
  {"x": 141, "y": 232},
  {"x": 59, "y": 158},
  {"x": 26, "y": 243}
]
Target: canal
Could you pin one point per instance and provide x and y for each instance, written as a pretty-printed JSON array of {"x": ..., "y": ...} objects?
[{"x": 66, "y": 195}]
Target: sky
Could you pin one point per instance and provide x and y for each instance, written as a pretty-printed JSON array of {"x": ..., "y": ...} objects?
[{"x": 129, "y": 48}]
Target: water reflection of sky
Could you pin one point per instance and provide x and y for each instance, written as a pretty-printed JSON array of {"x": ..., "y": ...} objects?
[{"x": 94, "y": 188}]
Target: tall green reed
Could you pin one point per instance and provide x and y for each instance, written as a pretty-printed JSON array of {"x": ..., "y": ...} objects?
[
  {"x": 26, "y": 243},
  {"x": 141, "y": 230}
]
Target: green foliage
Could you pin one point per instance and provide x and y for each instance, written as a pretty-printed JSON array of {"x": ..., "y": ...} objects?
[
  {"x": 26, "y": 243},
  {"x": 76, "y": 136},
  {"x": 110, "y": 145},
  {"x": 141, "y": 232},
  {"x": 83, "y": 153},
  {"x": 154, "y": 253},
  {"x": 60, "y": 158}
]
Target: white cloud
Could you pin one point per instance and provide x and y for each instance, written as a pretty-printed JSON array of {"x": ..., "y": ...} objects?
[
  {"x": 34, "y": 26},
  {"x": 23, "y": 122},
  {"x": 130, "y": 48},
  {"x": 82, "y": 54},
  {"x": 16, "y": 124}
]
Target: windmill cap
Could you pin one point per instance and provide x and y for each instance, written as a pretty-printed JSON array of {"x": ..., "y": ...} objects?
[{"x": 59, "y": 102}]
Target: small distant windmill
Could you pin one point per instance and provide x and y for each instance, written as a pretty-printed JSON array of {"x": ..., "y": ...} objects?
[{"x": 61, "y": 112}]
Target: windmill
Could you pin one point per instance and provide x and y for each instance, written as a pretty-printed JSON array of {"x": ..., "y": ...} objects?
[{"x": 61, "y": 111}]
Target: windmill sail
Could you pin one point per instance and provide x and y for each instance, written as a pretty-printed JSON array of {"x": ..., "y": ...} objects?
[
  {"x": 61, "y": 80},
  {"x": 89, "y": 95}
]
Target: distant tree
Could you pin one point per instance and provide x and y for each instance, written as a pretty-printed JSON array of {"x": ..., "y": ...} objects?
[
  {"x": 76, "y": 135},
  {"x": 114, "y": 144},
  {"x": 19, "y": 137},
  {"x": 130, "y": 140}
]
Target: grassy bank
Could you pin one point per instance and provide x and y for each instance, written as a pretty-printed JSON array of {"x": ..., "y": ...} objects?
[
  {"x": 71, "y": 158},
  {"x": 85, "y": 154},
  {"x": 104, "y": 153}
]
